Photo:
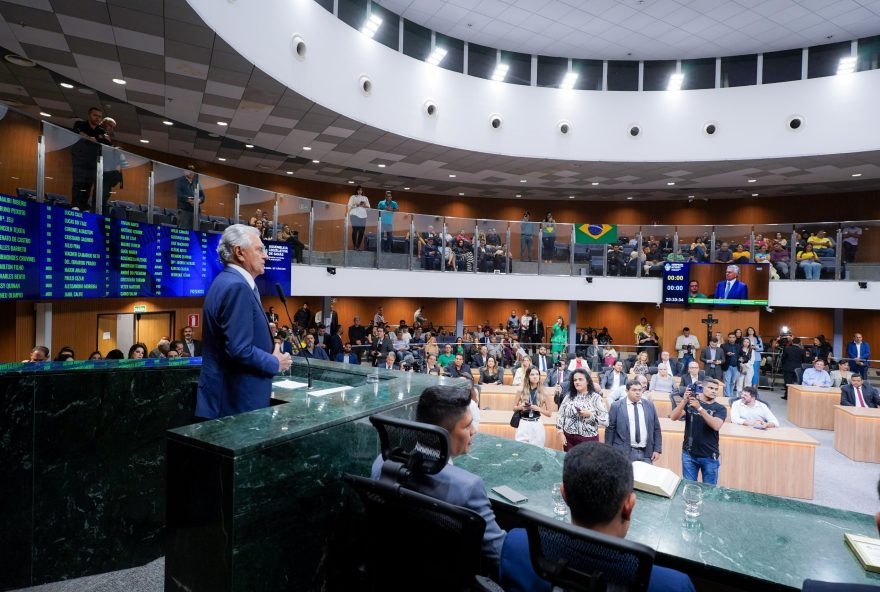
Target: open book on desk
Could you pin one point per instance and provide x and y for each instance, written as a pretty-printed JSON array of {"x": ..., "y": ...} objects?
[{"x": 656, "y": 480}]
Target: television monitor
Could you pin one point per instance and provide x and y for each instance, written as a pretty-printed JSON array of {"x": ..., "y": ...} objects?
[{"x": 716, "y": 284}]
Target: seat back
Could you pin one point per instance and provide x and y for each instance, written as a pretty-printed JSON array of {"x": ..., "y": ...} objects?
[
  {"x": 578, "y": 559},
  {"x": 799, "y": 372}
]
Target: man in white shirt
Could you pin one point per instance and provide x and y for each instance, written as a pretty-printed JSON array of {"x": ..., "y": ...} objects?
[
  {"x": 749, "y": 411},
  {"x": 816, "y": 376},
  {"x": 686, "y": 345},
  {"x": 615, "y": 381},
  {"x": 524, "y": 322},
  {"x": 851, "y": 235},
  {"x": 667, "y": 363}
]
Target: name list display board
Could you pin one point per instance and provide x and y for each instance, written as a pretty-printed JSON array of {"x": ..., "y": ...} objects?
[{"x": 47, "y": 252}]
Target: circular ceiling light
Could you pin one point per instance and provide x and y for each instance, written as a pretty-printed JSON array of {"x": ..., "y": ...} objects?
[
  {"x": 18, "y": 60},
  {"x": 66, "y": 85},
  {"x": 119, "y": 81}
]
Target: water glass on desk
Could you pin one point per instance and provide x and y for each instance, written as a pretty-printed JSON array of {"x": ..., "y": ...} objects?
[
  {"x": 693, "y": 500},
  {"x": 559, "y": 506}
]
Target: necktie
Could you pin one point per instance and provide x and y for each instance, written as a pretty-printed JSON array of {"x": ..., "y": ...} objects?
[
  {"x": 638, "y": 430},
  {"x": 543, "y": 365},
  {"x": 727, "y": 289},
  {"x": 861, "y": 399}
]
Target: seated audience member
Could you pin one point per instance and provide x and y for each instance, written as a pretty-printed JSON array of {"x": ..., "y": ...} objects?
[
  {"x": 161, "y": 348},
  {"x": 432, "y": 367},
  {"x": 39, "y": 354},
  {"x": 179, "y": 347},
  {"x": 115, "y": 354},
  {"x": 614, "y": 380},
  {"x": 816, "y": 376},
  {"x": 597, "y": 484},
  {"x": 450, "y": 408},
  {"x": 520, "y": 374},
  {"x": 749, "y": 411},
  {"x": 740, "y": 255},
  {"x": 447, "y": 356},
  {"x": 633, "y": 426},
  {"x": 95, "y": 355},
  {"x": 822, "y": 244},
  {"x": 390, "y": 362},
  {"x": 842, "y": 375},
  {"x": 138, "y": 351},
  {"x": 313, "y": 351},
  {"x": 346, "y": 356},
  {"x": 668, "y": 362},
  {"x": 490, "y": 373},
  {"x": 641, "y": 364},
  {"x": 724, "y": 254},
  {"x": 172, "y": 353},
  {"x": 808, "y": 260},
  {"x": 780, "y": 258},
  {"x": 662, "y": 382},
  {"x": 65, "y": 354},
  {"x": 859, "y": 393},
  {"x": 691, "y": 377}
]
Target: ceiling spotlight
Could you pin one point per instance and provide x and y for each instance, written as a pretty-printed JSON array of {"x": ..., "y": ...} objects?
[
  {"x": 629, "y": 197},
  {"x": 570, "y": 197},
  {"x": 371, "y": 25},
  {"x": 44, "y": 114},
  {"x": 222, "y": 123},
  {"x": 289, "y": 172},
  {"x": 670, "y": 183},
  {"x": 166, "y": 122},
  {"x": 754, "y": 195},
  {"x": 569, "y": 80},
  {"x": 66, "y": 85},
  {"x": 143, "y": 141},
  {"x": 519, "y": 194},
  {"x": 221, "y": 159},
  {"x": 500, "y": 72},
  {"x": 523, "y": 180},
  {"x": 307, "y": 148},
  {"x": 381, "y": 166},
  {"x": 461, "y": 194},
  {"x": 753, "y": 180},
  {"x": 675, "y": 81},
  {"x": 594, "y": 183},
  {"x": 857, "y": 174},
  {"x": 406, "y": 188},
  {"x": 846, "y": 65},
  {"x": 451, "y": 176},
  {"x": 248, "y": 145},
  {"x": 351, "y": 182},
  {"x": 118, "y": 81},
  {"x": 436, "y": 56},
  {"x": 316, "y": 161}
]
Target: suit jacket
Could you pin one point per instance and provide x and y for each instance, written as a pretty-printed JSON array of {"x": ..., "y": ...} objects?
[
  {"x": 553, "y": 380},
  {"x": 536, "y": 328},
  {"x": 465, "y": 371},
  {"x": 381, "y": 348},
  {"x": 739, "y": 291},
  {"x": 687, "y": 381},
  {"x": 477, "y": 360},
  {"x": 607, "y": 379},
  {"x": 792, "y": 358},
  {"x": 352, "y": 359},
  {"x": 516, "y": 573},
  {"x": 237, "y": 360},
  {"x": 460, "y": 488},
  {"x": 617, "y": 433},
  {"x": 384, "y": 366},
  {"x": 335, "y": 346},
  {"x": 869, "y": 393},
  {"x": 705, "y": 355},
  {"x": 548, "y": 363},
  {"x": 851, "y": 352},
  {"x": 196, "y": 350}
]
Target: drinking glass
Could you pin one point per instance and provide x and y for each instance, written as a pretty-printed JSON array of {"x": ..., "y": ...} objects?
[
  {"x": 693, "y": 500},
  {"x": 559, "y": 506}
]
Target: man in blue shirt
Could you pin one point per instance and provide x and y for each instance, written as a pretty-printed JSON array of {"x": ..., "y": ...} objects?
[
  {"x": 312, "y": 351},
  {"x": 597, "y": 484},
  {"x": 816, "y": 376},
  {"x": 387, "y": 206},
  {"x": 526, "y": 237}
]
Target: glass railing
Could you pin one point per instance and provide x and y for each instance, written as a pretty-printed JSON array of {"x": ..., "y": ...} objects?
[{"x": 67, "y": 169}]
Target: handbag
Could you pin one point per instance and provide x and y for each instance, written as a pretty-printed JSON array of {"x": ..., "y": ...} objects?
[{"x": 514, "y": 420}]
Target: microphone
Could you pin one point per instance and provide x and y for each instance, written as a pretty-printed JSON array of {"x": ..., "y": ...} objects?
[{"x": 280, "y": 293}]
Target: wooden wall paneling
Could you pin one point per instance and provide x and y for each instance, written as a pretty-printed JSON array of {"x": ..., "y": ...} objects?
[
  {"x": 164, "y": 195},
  {"x": 135, "y": 178},
  {"x": 153, "y": 326},
  {"x": 440, "y": 311},
  {"x": 803, "y": 322},
  {"x": 329, "y": 227},
  {"x": 620, "y": 318},
  {"x": 866, "y": 322},
  {"x": 294, "y": 303},
  {"x": 869, "y": 245},
  {"x": 478, "y": 311},
  {"x": 678, "y": 317},
  {"x": 18, "y": 152}
]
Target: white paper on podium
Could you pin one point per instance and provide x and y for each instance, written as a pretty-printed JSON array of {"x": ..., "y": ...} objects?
[
  {"x": 336, "y": 389},
  {"x": 289, "y": 384}
]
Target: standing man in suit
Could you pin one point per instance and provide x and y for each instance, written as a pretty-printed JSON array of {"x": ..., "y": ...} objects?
[
  {"x": 193, "y": 346},
  {"x": 537, "y": 330},
  {"x": 381, "y": 346},
  {"x": 558, "y": 380},
  {"x": 859, "y": 352},
  {"x": 633, "y": 426},
  {"x": 713, "y": 360},
  {"x": 238, "y": 357},
  {"x": 859, "y": 394},
  {"x": 336, "y": 343},
  {"x": 541, "y": 360},
  {"x": 731, "y": 288},
  {"x": 792, "y": 358}
]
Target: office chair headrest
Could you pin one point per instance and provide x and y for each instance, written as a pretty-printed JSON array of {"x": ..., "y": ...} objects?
[{"x": 416, "y": 448}]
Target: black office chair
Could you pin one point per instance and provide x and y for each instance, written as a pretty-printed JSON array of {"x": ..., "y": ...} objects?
[
  {"x": 414, "y": 539},
  {"x": 799, "y": 373},
  {"x": 576, "y": 559}
]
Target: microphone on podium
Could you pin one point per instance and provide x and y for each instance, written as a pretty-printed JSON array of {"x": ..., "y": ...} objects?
[{"x": 281, "y": 296}]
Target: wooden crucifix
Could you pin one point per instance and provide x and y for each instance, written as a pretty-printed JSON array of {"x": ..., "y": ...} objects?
[{"x": 709, "y": 321}]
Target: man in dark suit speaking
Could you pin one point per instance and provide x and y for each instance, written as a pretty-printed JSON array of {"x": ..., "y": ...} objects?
[
  {"x": 859, "y": 393},
  {"x": 238, "y": 361},
  {"x": 731, "y": 288},
  {"x": 633, "y": 426}
]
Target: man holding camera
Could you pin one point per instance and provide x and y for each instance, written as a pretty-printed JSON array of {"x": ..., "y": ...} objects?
[
  {"x": 686, "y": 345},
  {"x": 703, "y": 419}
]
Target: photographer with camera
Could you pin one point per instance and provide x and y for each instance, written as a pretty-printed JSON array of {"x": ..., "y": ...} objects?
[
  {"x": 703, "y": 419},
  {"x": 686, "y": 345}
]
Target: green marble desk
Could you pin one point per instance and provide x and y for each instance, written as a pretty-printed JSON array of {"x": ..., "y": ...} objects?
[{"x": 777, "y": 542}]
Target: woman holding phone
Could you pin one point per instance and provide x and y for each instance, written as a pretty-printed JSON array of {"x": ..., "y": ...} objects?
[
  {"x": 581, "y": 412},
  {"x": 531, "y": 405}
]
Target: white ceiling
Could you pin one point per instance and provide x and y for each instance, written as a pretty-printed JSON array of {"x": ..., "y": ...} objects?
[{"x": 645, "y": 29}]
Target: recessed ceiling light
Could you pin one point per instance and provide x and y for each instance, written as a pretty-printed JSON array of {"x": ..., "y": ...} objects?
[
  {"x": 248, "y": 145},
  {"x": 44, "y": 114},
  {"x": 594, "y": 183},
  {"x": 754, "y": 195},
  {"x": 691, "y": 196},
  {"x": 66, "y": 85},
  {"x": 118, "y": 81},
  {"x": 857, "y": 174},
  {"x": 381, "y": 166},
  {"x": 371, "y": 25},
  {"x": 221, "y": 159},
  {"x": 289, "y": 172},
  {"x": 222, "y": 123},
  {"x": 406, "y": 188},
  {"x": 460, "y": 194},
  {"x": 670, "y": 183},
  {"x": 522, "y": 180},
  {"x": 570, "y": 197},
  {"x": 451, "y": 176},
  {"x": 166, "y": 122},
  {"x": 307, "y": 148},
  {"x": 568, "y": 81},
  {"x": 351, "y": 182},
  {"x": 519, "y": 194},
  {"x": 753, "y": 180},
  {"x": 846, "y": 65},
  {"x": 500, "y": 72},
  {"x": 143, "y": 141},
  {"x": 630, "y": 197},
  {"x": 436, "y": 56},
  {"x": 675, "y": 81}
]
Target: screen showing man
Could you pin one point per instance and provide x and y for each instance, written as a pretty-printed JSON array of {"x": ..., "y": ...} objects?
[{"x": 731, "y": 288}]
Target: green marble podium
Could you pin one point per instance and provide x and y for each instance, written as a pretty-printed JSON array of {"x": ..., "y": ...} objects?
[{"x": 746, "y": 540}]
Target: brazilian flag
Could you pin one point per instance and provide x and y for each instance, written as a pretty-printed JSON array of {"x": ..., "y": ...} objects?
[{"x": 595, "y": 234}]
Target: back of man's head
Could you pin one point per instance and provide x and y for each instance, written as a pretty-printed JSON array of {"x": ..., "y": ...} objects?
[
  {"x": 597, "y": 480},
  {"x": 442, "y": 405}
]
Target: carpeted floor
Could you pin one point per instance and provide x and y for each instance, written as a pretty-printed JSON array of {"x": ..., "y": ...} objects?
[{"x": 839, "y": 483}]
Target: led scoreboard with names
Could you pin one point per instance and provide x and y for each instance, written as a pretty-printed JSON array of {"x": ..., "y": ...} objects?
[{"x": 48, "y": 252}]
